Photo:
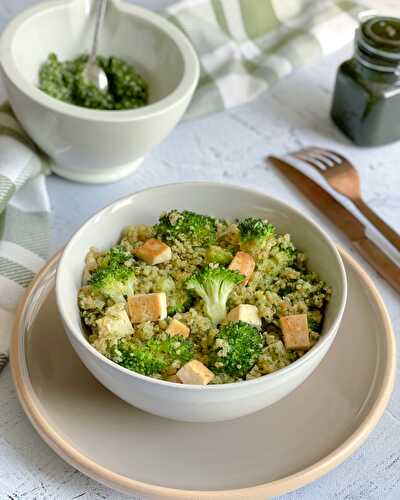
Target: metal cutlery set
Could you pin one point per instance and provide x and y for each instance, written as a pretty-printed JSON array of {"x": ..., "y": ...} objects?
[{"x": 343, "y": 178}]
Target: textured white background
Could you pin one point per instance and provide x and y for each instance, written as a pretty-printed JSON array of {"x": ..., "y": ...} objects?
[{"x": 227, "y": 147}]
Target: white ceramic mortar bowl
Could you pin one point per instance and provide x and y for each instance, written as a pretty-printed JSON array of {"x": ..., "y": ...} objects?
[
  {"x": 92, "y": 145},
  {"x": 189, "y": 402}
]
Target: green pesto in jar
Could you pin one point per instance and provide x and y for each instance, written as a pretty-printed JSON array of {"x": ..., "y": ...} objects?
[
  {"x": 65, "y": 81},
  {"x": 366, "y": 100}
]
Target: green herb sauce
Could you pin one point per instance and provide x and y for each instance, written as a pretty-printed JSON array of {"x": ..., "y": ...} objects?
[{"x": 65, "y": 81}]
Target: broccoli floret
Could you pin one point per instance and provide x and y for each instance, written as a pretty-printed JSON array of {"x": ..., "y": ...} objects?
[
  {"x": 179, "y": 301},
  {"x": 117, "y": 256},
  {"x": 314, "y": 325},
  {"x": 218, "y": 255},
  {"x": 279, "y": 259},
  {"x": 155, "y": 357},
  {"x": 165, "y": 284},
  {"x": 214, "y": 284},
  {"x": 236, "y": 349},
  {"x": 254, "y": 233},
  {"x": 199, "y": 230},
  {"x": 178, "y": 298},
  {"x": 114, "y": 278},
  {"x": 274, "y": 357}
]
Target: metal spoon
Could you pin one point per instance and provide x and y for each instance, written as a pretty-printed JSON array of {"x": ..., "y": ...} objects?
[{"x": 92, "y": 72}]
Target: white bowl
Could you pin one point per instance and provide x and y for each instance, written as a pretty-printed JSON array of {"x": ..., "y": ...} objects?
[
  {"x": 92, "y": 145},
  {"x": 189, "y": 402}
]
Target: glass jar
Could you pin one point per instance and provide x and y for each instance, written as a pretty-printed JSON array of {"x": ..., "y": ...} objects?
[{"x": 366, "y": 100}]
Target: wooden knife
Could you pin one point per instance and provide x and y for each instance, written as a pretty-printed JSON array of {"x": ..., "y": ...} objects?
[{"x": 344, "y": 220}]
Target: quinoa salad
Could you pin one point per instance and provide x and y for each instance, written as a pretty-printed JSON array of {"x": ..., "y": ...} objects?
[{"x": 199, "y": 300}]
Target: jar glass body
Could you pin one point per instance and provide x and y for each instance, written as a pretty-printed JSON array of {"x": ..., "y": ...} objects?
[{"x": 366, "y": 104}]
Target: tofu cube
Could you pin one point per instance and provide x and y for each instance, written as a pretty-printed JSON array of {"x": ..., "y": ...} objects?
[
  {"x": 194, "y": 372},
  {"x": 154, "y": 252},
  {"x": 244, "y": 263},
  {"x": 245, "y": 312},
  {"x": 147, "y": 307},
  {"x": 295, "y": 332},
  {"x": 177, "y": 328}
]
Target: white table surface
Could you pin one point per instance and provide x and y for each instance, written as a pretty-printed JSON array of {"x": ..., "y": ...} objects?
[{"x": 227, "y": 147}]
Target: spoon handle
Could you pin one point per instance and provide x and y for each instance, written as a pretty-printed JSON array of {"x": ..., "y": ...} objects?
[{"x": 101, "y": 9}]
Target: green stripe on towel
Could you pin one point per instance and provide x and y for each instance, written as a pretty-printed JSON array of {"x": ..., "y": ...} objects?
[
  {"x": 258, "y": 17},
  {"x": 15, "y": 272},
  {"x": 29, "y": 230}
]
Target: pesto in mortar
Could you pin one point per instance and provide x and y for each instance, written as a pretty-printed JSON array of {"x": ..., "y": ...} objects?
[{"x": 65, "y": 81}]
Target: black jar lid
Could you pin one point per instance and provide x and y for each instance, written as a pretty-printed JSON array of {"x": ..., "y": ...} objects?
[{"x": 380, "y": 36}]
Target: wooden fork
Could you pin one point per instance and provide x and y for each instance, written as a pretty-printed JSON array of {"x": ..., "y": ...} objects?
[{"x": 343, "y": 178}]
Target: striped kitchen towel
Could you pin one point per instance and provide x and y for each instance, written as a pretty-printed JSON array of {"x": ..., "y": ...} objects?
[
  {"x": 24, "y": 211},
  {"x": 246, "y": 45}
]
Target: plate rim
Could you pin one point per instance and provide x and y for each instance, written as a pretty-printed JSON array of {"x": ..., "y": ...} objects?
[{"x": 131, "y": 486}]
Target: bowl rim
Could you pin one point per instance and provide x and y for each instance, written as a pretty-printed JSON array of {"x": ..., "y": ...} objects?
[
  {"x": 78, "y": 333},
  {"x": 186, "y": 86}
]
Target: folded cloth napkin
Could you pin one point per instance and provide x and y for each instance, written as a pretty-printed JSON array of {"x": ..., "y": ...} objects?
[
  {"x": 24, "y": 210},
  {"x": 246, "y": 45},
  {"x": 243, "y": 47}
]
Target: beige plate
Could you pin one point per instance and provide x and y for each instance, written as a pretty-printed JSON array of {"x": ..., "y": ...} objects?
[{"x": 271, "y": 452}]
